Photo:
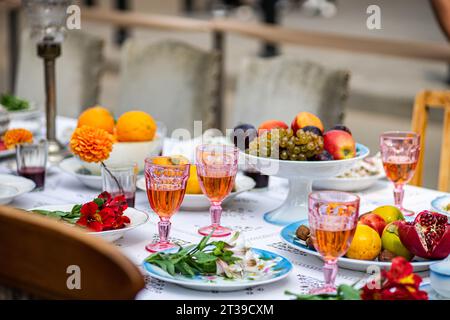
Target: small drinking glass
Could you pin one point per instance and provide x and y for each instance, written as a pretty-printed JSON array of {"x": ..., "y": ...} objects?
[
  {"x": 120, "y": 179},
  {"x": 333, "y": 216},
  {"x": 31, "y": 159},
  {"x": 166, "y": 186},
  {"x": 217, "y": 166},
  {"x": 400, "y": 152}
]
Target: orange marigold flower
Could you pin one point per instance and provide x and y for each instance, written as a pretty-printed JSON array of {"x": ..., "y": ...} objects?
[
  {"x": 17, "y": 136},
  {"x": 91, "y": 144}
]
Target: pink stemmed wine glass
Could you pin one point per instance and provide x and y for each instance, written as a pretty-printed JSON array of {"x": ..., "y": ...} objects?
[
  {"x": 400, "y": 152},
  {"x": 166, "y": 186},
  {"x": 333, "y": 216},
  {"x": 217, "y": 166}
]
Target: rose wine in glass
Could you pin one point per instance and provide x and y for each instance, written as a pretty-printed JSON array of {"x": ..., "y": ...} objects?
[
  {"x": 400, "y": 152},
  {"x": 333, "y": 217},
  {"x": 166, "y": 185},
  {"x": 217, "y": 166}
]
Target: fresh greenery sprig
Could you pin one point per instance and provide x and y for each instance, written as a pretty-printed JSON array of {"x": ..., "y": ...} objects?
[
  {"x": 13, "y": 103},
  {"x": 71, "y": 217},
  {"x": 343, "y": 292},
  {"x": 195, "y": 259}
]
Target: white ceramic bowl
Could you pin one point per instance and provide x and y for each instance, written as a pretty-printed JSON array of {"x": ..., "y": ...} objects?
[
  {"x": 347, "y": 184},
  {"x": 137, "y": 218},
  {"x": 129, "y": 152},
  {"x": 200, "y": 201},
  {"x": 73, "y": 166},
  {"x": 12, "y": 186},
  {"x": 439, "y": 203}
]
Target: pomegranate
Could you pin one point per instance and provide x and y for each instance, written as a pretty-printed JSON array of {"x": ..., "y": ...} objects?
[{"x": 428, "y": 236}]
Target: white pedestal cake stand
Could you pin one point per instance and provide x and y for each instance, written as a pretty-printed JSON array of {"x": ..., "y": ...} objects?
[{"x": 301, "y": 174}]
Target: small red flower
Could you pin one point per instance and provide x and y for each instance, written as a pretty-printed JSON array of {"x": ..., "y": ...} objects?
[
  {"x": 399, "y": 283},
  {"x": 108, "y": 215}
]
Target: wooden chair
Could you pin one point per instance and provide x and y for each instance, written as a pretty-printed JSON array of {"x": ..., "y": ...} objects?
[
  {"x": 173, "y": 81},
  {"x": 36, "y": 252},
  {"x": 280, "y": 87},
  {"x": 424, "y": 101}
]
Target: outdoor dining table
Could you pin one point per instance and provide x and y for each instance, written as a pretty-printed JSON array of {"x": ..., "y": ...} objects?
[{"x": 243, "y": 214}]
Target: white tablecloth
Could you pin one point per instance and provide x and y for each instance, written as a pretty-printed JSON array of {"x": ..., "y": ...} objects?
[{"x": 245, "y": 213}]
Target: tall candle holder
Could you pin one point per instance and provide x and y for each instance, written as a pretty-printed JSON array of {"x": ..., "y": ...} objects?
[{"x": 47, "y": 19}]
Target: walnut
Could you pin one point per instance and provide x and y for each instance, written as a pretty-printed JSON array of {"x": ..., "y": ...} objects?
[
  {"x": 303, "y": 232},
  {"x": 386, "y": 255}
]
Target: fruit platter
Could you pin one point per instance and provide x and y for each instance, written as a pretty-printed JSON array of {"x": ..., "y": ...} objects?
[
  {"x": 381, "y": 235},
  {"x": 302, "y": 153},
  {"x": 105, "y": 216},
  {"x": 135, "y": 134}
]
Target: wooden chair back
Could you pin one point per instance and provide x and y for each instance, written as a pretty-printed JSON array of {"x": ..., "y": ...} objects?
[
  {"x": 424, "y": 101},
  {"x": 39, "y": 255}
]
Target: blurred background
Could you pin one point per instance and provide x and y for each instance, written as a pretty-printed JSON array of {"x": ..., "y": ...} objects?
[{"x": 383, "y": 77}]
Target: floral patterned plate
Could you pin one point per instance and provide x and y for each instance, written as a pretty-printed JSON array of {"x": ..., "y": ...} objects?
[
  {"x": 137, "y": 219},
  {"x": 277, "y": 268}
]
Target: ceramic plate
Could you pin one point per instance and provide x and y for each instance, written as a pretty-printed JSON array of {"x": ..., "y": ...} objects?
[
  {"x": 347, "y": 184},
  {"x": 288, "y": 235},
  {"x": 277, "y": 272},
  {"x": 439, "y": 203},
  {"x": 12, "y": 186},
  {"x": 201, "y": 202},
  {"x": 74, "y": 167},
  {"x": 432, "y": 294},
  {"x": 31, "y": 113},
  {"x": 7, "y": 153},
  {"x": 137, "y": 219}
]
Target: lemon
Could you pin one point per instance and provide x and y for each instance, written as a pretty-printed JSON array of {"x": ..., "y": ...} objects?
[
  {"x": 366, "y": 244},
  {"x": 193, "y": 186}
]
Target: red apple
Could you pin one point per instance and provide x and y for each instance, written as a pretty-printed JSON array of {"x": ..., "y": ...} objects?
[
  {"x": 270, "y": 125},
  {"x": 374, "y": 221},
  {"x": 304, "y": 119},
  {"x": 339, "y": 144}
]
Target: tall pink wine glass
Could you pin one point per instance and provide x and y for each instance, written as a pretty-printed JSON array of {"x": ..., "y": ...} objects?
[
  {"x": 333, "y": 216},
  {"x": 217, "y": 166},
  {"x": 166, "y": 186},
  {"x": 400, "y": 152}
]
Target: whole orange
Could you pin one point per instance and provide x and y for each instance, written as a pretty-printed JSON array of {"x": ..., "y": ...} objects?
[
  {"x": 97, "y": 117},
  {"x": 135, "y": 126}
]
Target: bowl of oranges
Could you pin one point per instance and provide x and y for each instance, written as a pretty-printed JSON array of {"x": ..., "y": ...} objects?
[{"x": 136, "y": 136}]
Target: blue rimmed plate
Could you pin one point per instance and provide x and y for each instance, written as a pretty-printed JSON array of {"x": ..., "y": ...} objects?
[
  {"x": 440, "y": 203},
  {"x": 288, "y": 235},
  {"x": 278, "y": 271}
]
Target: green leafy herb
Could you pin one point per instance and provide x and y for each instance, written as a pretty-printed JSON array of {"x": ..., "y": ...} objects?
[
  {"x": 194, "y": 259},
  {"x": 343, "y": 292},
  {"x": 71, "y": 217},
  {"x": 13, "y": 103}
]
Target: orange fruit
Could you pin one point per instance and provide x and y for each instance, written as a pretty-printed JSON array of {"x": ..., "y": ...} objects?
[
  {"x": 170, "y": 160},
  {"x": 97, "y": 117},
  {"x": 193, "y": 186},
  {"x": 366, "y": 244},
  {"x": 135, "y": 126}
]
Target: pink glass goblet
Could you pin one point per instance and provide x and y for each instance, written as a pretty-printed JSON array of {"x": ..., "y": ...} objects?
[
  {"x": 333, "y": 216},
  {"x": 400, "y": 152},
  {"x": 217, "y": 166},
  {"x": 166, "y": 186}
]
